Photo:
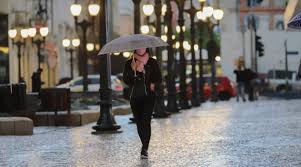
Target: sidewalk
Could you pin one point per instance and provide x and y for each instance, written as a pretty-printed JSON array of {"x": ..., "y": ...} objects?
[{"x": 264, "y": 133}]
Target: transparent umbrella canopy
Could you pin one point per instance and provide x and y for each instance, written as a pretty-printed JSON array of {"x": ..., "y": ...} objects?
[
  {"x": 132, "y": 42},
  {"x": 295, "y": 22}
]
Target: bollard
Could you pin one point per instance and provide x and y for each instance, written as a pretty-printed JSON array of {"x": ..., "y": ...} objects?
[
  {"x": 5, "y": 99},
  {"x": 19, "y": 96}
]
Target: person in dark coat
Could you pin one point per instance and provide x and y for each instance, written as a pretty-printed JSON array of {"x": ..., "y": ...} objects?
[
  {"x": 141, "y": 73},
  {"x": 36, "y": 80},
  {"x": 240, "y": 81},
  {"x": 249, "y": 77}
]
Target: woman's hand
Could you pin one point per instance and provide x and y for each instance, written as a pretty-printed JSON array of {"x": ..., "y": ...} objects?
[{"x": 152, "y": 87}]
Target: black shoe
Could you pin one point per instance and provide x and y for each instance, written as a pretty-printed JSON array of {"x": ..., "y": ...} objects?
[{"x": 144, "y": 154}]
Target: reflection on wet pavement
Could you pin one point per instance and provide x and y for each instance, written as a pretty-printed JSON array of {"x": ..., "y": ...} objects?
[{"x": 266, "y": 133}]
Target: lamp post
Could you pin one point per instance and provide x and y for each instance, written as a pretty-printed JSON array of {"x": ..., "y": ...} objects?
[
  {"x": 201, "y": 23},
  {"x": 93, "y": 10},
  {"x": 148, "y": 10},
  {"x": 106, "y": 122},
  {"x": 195, "y": 93},
  {"x": 211, "y": 45},
  {"x": 172, "y": 99},
  {"x": 70, "y": 46},
  {"x": 136, "y": 16},
  {"x": 38, "y": 40},
  {"x": 183, "y": 100},
  {"x": 158, "y": 13},
  {"x": 12, "y": 33}
]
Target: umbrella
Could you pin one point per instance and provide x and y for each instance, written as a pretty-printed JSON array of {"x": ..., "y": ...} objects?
[
  {"x": 295, "y": 22},
  {"x": 132, "y": 42}
]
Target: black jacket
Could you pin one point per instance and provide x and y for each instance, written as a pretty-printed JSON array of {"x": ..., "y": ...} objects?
[{"x": 152, "y": 74}]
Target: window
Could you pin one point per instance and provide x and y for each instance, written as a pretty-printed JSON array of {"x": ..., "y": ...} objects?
[
  {"x": 78, "y": 82},
  {"x": 94, "y": 80},
  {"x": 279, "y": 74}
]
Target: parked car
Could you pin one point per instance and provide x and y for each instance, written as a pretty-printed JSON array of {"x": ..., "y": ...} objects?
[
  {"x": 277, "y": 80},
  {"x": 224, "y": 87},
  {"x": 76, "y": 84},
  {"x": 64, "y": 80}
]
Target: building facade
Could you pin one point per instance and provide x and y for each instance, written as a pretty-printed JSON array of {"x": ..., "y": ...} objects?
[
  {"x": 55, "y": 60},
  {"x": 270, "y": 25}
]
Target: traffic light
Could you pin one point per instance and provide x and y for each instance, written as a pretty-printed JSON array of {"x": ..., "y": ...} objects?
[{"x": 259, "y": 46}]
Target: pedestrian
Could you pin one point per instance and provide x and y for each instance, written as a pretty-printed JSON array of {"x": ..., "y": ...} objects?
[
  {"x": 141, "y": 73},
  {"x": 250, "y": 77},
  {"x": 240, "y": 81},
  {"x": 36, "y": 80}
]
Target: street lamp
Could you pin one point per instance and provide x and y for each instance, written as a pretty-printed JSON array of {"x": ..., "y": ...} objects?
[
  {"x": 195, "y": 101},
  {"x": 126, "y": 54},
  {"x": 93, "y": 10},
  {"x": 183, "y": 100},
  {"x": 106, "y": 122},
  {"x": 217, "y": 58},
  {"x": 201, "y": 24},
  {"x": 148, "y": 9},
  {"x": 178, "y": 28},
  {"x": 144, "y": 29},
  {"x": 172, "y": 105},
  {"x": 90, "y": 47},
  {"x": 38, "y": 37},
  {"x": 201, "y": 16},
  {"x": 164, "y": 38},
  {"x": 208, "y": 11},
  {"x": 218, "y": 14},
  {"x": 137, "y": 22},
  {"x": 211, "y": 45},
  {"x": 70, "y": 46},
  {"x": 163, "y": 9},
  {"x": 12, "y": 33}
]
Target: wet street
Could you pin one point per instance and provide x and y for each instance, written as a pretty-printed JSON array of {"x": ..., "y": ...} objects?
[{"x": 265, "y": 133}]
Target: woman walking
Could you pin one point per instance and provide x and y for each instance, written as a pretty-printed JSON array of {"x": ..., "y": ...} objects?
[{"x": 141, "y": 73}]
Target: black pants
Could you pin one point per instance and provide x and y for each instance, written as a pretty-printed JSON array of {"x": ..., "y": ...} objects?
[{"x": 142, "y": 109}]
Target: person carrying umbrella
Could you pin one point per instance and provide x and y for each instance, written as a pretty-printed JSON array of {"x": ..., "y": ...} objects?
[{"x": 141, "y": 73}]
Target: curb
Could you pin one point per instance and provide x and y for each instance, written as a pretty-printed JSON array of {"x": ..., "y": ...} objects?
[{"x": 77, "y": 118}]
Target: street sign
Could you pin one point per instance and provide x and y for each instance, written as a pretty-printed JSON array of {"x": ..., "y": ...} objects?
[{"x": 292, "y": 52}]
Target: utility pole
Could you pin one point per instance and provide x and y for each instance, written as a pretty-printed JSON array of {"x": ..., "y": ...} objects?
[{"x": 286, "y": 63}]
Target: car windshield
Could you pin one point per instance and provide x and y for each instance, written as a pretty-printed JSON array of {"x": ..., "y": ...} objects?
[
  {"x": 94, "y": 80},
  {"x": 78, "y": 82}
]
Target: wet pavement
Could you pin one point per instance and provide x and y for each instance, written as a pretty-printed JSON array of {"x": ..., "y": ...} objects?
[{"x": 265, "y": 133}]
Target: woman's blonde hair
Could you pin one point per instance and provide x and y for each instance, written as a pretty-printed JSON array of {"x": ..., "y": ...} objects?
[{"x": 131, "y": 56}]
